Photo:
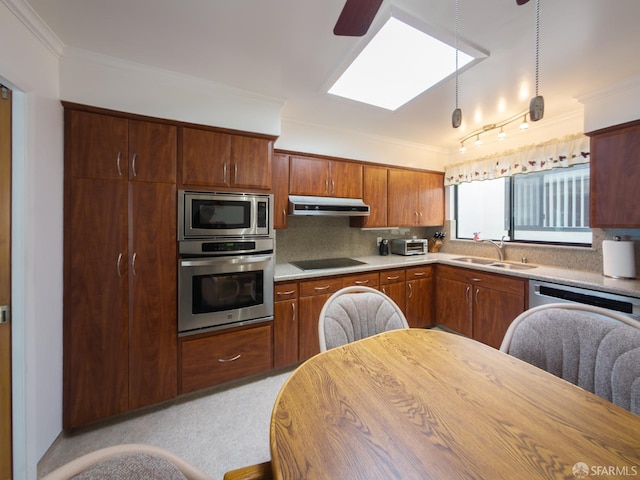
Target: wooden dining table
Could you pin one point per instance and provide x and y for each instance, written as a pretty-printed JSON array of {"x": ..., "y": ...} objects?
[{"x": 426, "y": 404}]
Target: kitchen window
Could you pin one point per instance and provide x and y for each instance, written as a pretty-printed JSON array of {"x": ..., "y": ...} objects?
[{"x": 550, "y": 206}]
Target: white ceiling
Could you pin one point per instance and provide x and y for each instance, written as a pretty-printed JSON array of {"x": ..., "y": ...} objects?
[{"x": 286, "y": 49}]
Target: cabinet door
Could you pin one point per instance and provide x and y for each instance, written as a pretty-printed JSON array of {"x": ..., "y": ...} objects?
[
  {"x": 153, "y": 152},
  {"x": 403, "y": 199},
  {"x": 397, "y": 293},
  {"x": 96, "y": 334},
  {"x": 419, "y": 300},
  {"x": 309, "y": 340},
  {"x": 251, "y": 162},
  {"x": 205, "y": 157},
  {"x": 454, "y": 303},
  {"x": 96, "y": 145},
  {"x": 280, "y": 190},
  {"x": 309, "y": 176},
  {"x": 493, "y": 312},
  {"x": 345, "y": 179},
  {"x": 152, "y": 310},
  {"x": 285, "y": 335},
  {"x": 374, "y": 194},
  {"x": 614, "y": 193},
  {"x": 431, "y": 199}
]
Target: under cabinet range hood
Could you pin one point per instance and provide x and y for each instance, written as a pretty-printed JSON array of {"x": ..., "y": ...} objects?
[{"x": 327, "y": 206}]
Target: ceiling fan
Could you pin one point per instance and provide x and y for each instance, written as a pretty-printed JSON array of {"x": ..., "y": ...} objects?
[{"x": 356, "y": 17}]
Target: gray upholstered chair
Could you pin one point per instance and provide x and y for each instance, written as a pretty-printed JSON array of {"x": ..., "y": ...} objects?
[
  {"x": 591, "y": 347},
  {"x": 357, "y": 312},
  {"x": 128, "y": 462}
]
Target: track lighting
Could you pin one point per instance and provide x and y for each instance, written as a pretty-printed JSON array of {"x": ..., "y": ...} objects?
[{"x": 493, "y": 126}]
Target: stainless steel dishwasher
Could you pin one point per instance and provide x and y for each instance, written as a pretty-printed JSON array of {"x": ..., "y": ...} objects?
[{"x": 541, "y": 293}]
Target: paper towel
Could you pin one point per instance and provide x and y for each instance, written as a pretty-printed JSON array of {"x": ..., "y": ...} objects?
[{"x": 618, "y": 259}]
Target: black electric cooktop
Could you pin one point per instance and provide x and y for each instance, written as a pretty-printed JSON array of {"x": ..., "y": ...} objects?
[{"x": 326, "y": 263}]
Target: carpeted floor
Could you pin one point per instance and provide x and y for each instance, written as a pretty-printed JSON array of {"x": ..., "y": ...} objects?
[{"x": 216, "y": 430}]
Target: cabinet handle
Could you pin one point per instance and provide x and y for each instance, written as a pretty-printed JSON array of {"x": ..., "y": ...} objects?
[
  {"x": 290, "y": 292},
  {"x": 416, "y": 213},
  {"x": 133, "y": 164},
  {"x": 284, "y": 216},
  {"x": 133, "y": 263},
  {"x": 118, "y": 163},
  {"x": 235, "y": 173},
  {"x": 473, "y": 279},
  {"x": 322, "y": 288},
  {"x": 410, "y": 290},
  {"x": 233, "y": 359},
  {"x": 477, "y": 291},
  {"x": 293, "y": 312},
  {"x": 333, "y": 186},
  {"x": 326, "y": 185},
  {"x": 466, "y": 293},
  {"x": 393, "y": 278},
  {"x": 361, "y": 282},
  {"x": 384, "y": 290},
  {"x": 118, "y": 264},
  {"x": 224, "y": 172},
  {"x": 419, "y": 274}
]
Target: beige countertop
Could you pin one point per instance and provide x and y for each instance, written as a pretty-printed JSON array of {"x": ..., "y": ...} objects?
[{"x": 577, "y": 278}]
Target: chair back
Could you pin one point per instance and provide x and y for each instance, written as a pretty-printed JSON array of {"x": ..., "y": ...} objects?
[
  {"x": 591, "y": 347},
  {"x": 357, "y": 312}
]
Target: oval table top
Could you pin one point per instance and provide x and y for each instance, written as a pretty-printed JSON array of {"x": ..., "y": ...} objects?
[{"x": 425, "y": 404}]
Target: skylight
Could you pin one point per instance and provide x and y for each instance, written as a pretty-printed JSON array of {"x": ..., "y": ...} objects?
[{"x": 399, "y": 63}]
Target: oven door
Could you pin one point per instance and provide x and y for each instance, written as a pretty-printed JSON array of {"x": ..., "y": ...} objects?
[{"x": 219, "y": 291}]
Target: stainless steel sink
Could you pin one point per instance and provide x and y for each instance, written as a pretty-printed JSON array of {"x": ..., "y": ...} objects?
[
  {"x": 493, "y": 263},
  {"x": 479, "y": 261}
]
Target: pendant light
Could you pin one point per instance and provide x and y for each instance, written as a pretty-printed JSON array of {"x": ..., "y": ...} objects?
[
  {"x": 536, "y": 105},
  {"x": 456, "y": 117}
]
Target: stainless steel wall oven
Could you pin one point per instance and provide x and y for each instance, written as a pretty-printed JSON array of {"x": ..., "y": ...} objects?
[{"x": 226, "y": 264}]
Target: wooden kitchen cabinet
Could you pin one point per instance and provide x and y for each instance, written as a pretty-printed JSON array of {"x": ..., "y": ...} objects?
[
  {"x": 321, "y": 177},
  {"x": 280, "y": 190},
  {"x": 416, "y": 198},
  {"x": 364, "y": 279},
  {"x": 419, "y": 303},
  {"x": 217, "y": 159},
  {"x": 374, "y": 194},
  {"x": 211, "y": 359},
  {"x": 313, "y": 295},
  {"x": 285, "y": 322},
  {"x": 478, "y": 304},
  {"x": 111, "y": 147},
  {"x": 614, "y": 194},
  {"x": 393, "y": 285},
  {"x": 120, "y": 336}
]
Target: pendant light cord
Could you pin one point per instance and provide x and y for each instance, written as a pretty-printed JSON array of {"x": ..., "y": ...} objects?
[
  {"x": 537, "y": 41},
  {"x": 456, "y": 27}
]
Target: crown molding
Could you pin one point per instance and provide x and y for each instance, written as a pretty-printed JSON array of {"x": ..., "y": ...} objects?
[{"x": 34, "y": 23}]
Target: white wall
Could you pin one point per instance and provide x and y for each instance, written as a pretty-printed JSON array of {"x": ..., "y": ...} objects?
[
  {"x": 612, "y": 106},
  {"x": 31, "y": 70}
]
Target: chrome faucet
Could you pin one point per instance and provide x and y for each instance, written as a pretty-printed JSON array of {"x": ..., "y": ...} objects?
[{"x": 499, "y": 246}]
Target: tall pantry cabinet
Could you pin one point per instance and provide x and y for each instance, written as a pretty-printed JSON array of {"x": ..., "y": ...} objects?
[{"x": 120, "y": 334}]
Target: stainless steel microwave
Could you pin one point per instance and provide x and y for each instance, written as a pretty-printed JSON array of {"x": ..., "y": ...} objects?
[{"x": 203, "y": 215}]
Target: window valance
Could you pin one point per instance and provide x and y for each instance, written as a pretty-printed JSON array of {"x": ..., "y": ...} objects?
[{"x": 564, "y": 152}]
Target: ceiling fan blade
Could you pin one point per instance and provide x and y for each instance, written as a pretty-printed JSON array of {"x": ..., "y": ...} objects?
[
  {"x": 356, "y": 17},
  {"x": 521, "y": 2}
]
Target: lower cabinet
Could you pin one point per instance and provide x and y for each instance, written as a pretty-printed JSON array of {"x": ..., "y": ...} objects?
[
  {"x": 478, "y": 304},
  {"x": 419, "y": 301},
  {"x": 218, "y": 357},
  {"x": 285, "y": 324},
  {"x": 393, "y": 285}
]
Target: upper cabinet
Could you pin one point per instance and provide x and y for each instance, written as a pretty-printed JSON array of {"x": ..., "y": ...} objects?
[
  {"x": 615, "y": 170},
  {"x": 217, "y": 159},
  {"x": 280, "y": 190},
  {"x": 322, "y": 177},
  {"x": 110, "y": 147},
  {"x": 416, "y": 198},
  {"x": 374, "y": 194}
]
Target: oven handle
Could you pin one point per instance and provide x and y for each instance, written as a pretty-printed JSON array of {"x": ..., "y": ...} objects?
[{"x": 216, "y": 261}]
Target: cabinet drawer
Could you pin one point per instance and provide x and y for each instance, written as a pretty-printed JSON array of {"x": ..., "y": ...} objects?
[
  {"x": 320, "y": 287},
  {"x": 362, "y": 280},
  {"x": 503, "y": 283},
  {"x": 223, "y": 357},
  {"x": 416, "y": 273},
  {"x": 392, "y": 276},
  {"x": 285, "y": 291}
]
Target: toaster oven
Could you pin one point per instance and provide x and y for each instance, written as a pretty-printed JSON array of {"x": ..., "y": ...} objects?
[{"x": 405, "y": 246}]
